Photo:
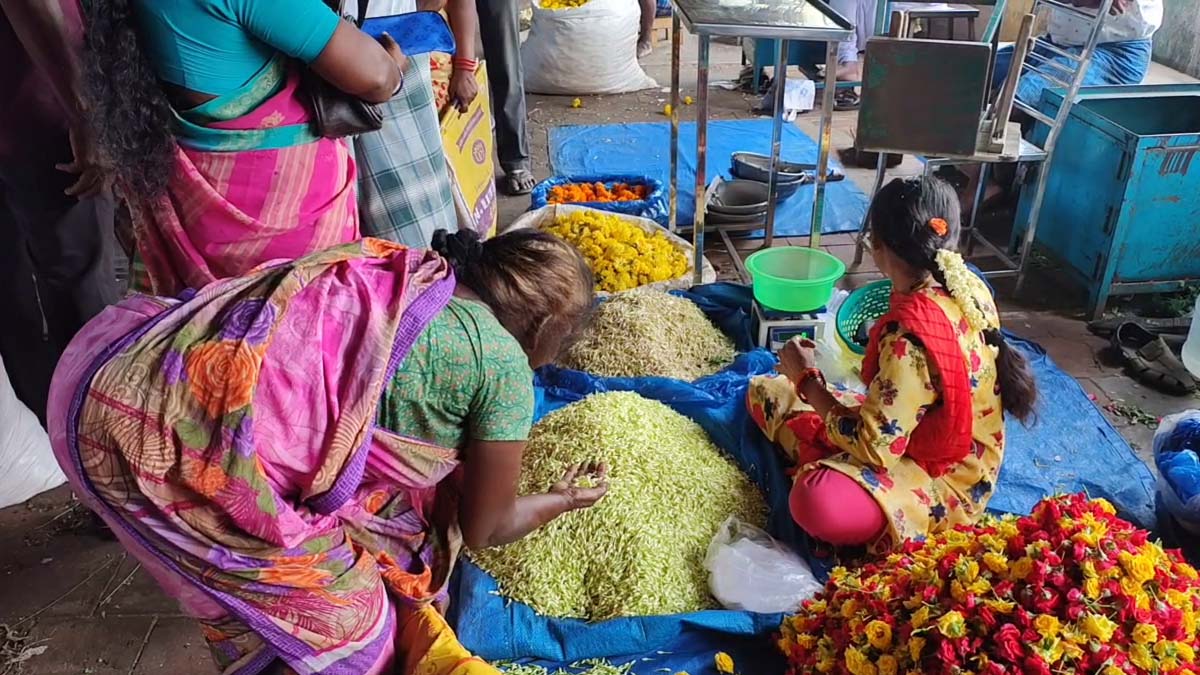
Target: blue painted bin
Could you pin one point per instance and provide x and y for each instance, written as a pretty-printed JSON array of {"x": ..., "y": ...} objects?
[{"x": 1122, "y": 205}]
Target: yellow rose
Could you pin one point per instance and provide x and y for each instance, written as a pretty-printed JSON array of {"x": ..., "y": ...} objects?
[
  {"x": 1091, "y": 588},
  {"x": 1046, "y": 625},
  {"x": 1140, "y": 656},
  {"x": 952, "y": 625},
  {"x": 915, "y": 645},
  {"x": 879, "y": 634},
  {"x": 724, "y": 663},
  {"x": 1022, "y": 568},
  {"x": 805, "y": 640},
  {"x": 1145, "y": 634},
  {"x": 1099, "y": 627},
  {"x": 967, "y": 571},
  {"x": 858, "y": 663},
  {"x": 888, "y": 665},
  {"x": 1139, "y": 567},
  {"x": 920, "y": 617},
  {"x": 995, "y": 562}
]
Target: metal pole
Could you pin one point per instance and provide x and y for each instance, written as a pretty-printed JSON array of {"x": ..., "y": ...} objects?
[
  {"x": 826, "y": 140},
  {"x": 860, "y": 243},
  {"x": 673, "y": 217},
  {"x": 701, "y": 156},
  {"x": 776, "y": 139}
]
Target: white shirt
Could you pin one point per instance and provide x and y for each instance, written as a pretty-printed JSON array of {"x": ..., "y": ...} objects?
[{"x": 1139, "y": 22}]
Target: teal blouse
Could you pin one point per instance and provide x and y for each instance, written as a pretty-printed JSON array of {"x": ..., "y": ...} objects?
[{"x": 216, "y": 46}]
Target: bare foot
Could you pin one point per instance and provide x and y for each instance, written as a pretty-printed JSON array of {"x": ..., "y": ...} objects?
[{"x": 644, "y": 49}]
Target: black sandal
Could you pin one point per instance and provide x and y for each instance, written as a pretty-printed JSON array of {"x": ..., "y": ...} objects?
[
  {"x": 1176, "y": 326},
  {"x": 1150, "y": 361},
  {"x": 518, "y": 182},
  {"x": 845, "y": 99}
]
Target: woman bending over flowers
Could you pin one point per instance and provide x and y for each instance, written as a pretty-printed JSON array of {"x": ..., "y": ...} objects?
[{"x": 921, "y": 451}]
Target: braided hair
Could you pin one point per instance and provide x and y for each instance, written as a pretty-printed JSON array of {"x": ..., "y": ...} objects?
[{"x": 900, "y": 219}]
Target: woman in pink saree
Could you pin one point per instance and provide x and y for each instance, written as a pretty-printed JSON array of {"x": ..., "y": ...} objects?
[
  {"x": 248, "y": 444},
  {"x": 199, "y": 108}
]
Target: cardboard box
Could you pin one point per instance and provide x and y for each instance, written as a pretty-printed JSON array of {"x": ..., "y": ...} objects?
[{"x": 469, "y": 144}]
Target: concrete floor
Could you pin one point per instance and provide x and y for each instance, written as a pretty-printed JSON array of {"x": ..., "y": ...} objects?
[{"x": 94, "y": 611}]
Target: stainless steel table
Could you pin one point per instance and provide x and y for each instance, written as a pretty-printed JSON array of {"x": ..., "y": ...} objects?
[{"x": 781, "y": 20}]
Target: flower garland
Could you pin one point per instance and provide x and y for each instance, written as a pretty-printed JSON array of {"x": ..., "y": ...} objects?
[
  {"x": 1071, "y": 589},
  {"x": 958, "y": 279}
]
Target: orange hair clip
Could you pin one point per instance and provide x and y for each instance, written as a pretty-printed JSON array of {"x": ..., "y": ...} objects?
[{"x": 940, "y": 226}]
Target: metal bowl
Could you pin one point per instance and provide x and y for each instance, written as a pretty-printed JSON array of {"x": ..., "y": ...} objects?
[
  {"x": 739, "y": 198},
  {"x": 753, "y": 166}
]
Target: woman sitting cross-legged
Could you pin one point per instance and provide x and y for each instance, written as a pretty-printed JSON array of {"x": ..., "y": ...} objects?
[{"x": 921, "y": 451}]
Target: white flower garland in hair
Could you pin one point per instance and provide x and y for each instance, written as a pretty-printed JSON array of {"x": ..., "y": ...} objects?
[{"x": 958, "y": 283}]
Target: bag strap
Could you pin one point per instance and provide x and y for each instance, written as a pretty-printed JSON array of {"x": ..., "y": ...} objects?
[
  {"x": 362, "y": 11},
  {"x": 339, "y": 7}
]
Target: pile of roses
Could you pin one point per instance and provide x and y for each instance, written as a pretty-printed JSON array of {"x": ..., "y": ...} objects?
[{"x": 1069, "y": 589}]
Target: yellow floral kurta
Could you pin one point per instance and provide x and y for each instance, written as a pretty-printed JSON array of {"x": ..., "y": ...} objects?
[{"x": 873, "y": 436}]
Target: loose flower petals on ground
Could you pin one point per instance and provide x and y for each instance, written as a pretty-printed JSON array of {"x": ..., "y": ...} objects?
[{"x": 1071, "y": 589}]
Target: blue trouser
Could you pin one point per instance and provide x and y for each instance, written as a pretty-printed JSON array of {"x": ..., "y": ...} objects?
[{"x": 1112, "y": 63}]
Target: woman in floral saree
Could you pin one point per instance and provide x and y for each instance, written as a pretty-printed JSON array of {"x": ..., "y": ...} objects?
[{"x": 297, "y": 455}]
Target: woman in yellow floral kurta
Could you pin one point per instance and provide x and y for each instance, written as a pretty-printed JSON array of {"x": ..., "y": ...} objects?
[{"x": 921, "y": 451}]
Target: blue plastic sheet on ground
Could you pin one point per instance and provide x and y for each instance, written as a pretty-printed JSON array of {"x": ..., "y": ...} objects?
[
  {"x": 1070, "y": 448},
  {"x": 654, "y": 206},
  {"x": 644, "y": 149}
]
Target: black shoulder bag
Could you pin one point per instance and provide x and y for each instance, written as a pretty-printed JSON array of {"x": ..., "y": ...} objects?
[{"x": 337, "y": 114}]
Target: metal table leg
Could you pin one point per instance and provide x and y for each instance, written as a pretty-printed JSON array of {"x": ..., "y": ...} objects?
[
  {"x": 701, "y": 156},
  {"x": 776, "y": 139},
  {"x": 860, "y": 242},
  {"x": 676, "y": 29},
  {"x": 826, "y": 140}
]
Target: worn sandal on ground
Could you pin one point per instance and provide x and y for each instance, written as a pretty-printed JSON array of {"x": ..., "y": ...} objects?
[
  {"x": 1150, "y": 361},
  {"x": 845, "y": 99},
  {"x": 518, "y": 182},
  {"x": 1176, "y": 326}
]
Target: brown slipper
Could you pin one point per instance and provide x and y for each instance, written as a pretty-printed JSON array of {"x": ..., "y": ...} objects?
[
  {"x": 1150, "y": 361},
  {"x": 1176, "y": 326}
]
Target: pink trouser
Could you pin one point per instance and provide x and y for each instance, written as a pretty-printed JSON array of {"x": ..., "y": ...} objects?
[{"x": 830, "y": 506}]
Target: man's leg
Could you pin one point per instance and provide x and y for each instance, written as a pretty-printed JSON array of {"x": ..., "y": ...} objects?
[
  {"x": 58, "y": 264},
  {"x": 645, "y": 44},
  {"x": 499, "y": 29}
]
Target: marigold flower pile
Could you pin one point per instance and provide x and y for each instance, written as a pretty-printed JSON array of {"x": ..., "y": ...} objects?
[
  {"x": 1070, "y": 589},
  {"x": 563, "y": 4},
  {"x": 621, "y": 254},
  {"x": 582, "y": 193}
]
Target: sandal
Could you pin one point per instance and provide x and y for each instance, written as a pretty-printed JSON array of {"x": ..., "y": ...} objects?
[
  {"x": 1150, "y": 361},
  {"x": 845, "y": 99},
  {"x": 518, "y": 182},
  {"x": 1176, "y": 326}
]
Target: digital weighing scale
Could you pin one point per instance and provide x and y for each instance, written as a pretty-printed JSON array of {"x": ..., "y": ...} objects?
[{"x": 776, "y": 327}]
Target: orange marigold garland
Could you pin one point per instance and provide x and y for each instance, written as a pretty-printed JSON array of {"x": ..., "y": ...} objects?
[
  {"x": 1071, "y": 589},
  {"x": 596, "y": 193}
]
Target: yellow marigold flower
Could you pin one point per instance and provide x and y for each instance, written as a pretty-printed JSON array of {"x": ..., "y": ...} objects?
[
  {"x": 887, "y": 665},
  {"x": 1140, "y": 567},
  {"x": 967, "y": 571},
  {"x": 1112, "y": 670},
  {"x": 879, "y": 634},
  {"x": 1022, "y": 568},
  {"x": 1145, "y": 634},
  {"x": 1099, "y": 627},
  {"x": 1047, "y": 625},
  {"x": 1091, "y": 588},
  {"x": 805, "y": 640},
  {"x": 724, "y": 663},
  {"x": 915, "y": 645},
  {"x": 858, "y": 663},
  {"x": 920, "y": 617},
  {"x": 996, "y": 562},
  {"x": 1140, "y": 656},
  {"x": 952, "y": 625}
]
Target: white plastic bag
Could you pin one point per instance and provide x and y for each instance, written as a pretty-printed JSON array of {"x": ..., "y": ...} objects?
[
  {"x": 750, "y": 571},
  {"x": 590, "y": 49},
  {"x": 27, "y": 465}
]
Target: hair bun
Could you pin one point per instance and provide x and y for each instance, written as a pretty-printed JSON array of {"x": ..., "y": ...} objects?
[{"x": 461, "y": 249}]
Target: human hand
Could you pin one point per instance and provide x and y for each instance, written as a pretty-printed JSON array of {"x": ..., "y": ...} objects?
[
  {"x": 583, "y": 485},
  {"x": 797, "y": 356},
  {"x": 84, "y": 164},
  {"x": 463, "y": 89},
  {"x": 394, "y": 51},
  {"x": 1118, "y": 7}
]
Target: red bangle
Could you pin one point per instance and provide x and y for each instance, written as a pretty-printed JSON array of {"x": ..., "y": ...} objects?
[
  {"x": 463, "y": 63},
  {"x": 808, "y": 374}
]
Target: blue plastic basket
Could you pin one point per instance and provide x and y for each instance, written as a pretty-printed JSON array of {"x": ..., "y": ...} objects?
[{"x": 869, "y": 303}]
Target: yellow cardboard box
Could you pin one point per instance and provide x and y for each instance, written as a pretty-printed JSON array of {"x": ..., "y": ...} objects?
[{"x": 469, "y": 144}]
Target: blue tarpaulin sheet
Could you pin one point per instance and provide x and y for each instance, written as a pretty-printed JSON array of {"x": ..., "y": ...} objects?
[
  {"x": 644, "y": 149},
  {"x": 1059, "y": 453}
]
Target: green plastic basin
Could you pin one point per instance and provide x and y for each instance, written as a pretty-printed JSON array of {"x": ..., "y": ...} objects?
[{"x": 794, "y": 278}]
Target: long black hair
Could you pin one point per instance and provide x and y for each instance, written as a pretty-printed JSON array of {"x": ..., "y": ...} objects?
[
  {"x": 900, "y": 219},
  {"x": 128, "y": 108}
]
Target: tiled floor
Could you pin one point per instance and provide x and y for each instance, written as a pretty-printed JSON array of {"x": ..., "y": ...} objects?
[{"x": 94, "y": 611}]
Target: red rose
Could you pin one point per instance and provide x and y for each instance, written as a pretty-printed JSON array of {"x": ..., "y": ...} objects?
[
  {"x": 1034, "y": 665},
  {"x": 1008, "y": 644}
]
